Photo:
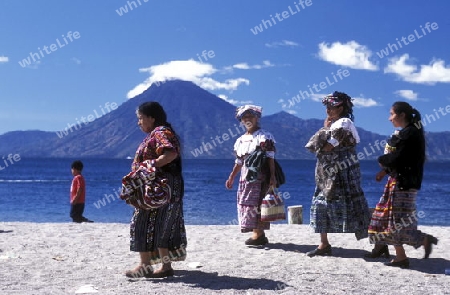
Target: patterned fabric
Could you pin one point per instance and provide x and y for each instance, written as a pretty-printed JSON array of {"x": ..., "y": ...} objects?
[
  {"x": 339, "y": 204},
  {"x": 163, "y": 227},
  {"x": 336, "y": 99},
  {"x": 394, "y": 220},
  {"x": 252, "y": 109},
  {"x": 144, "y": 188},
  {"x": 406, "y": 161},
  {"x": 250, "y": 194},
  {"x": 249, "y": 198},
  {"x": 339, "y": 130},
  {"x": 247, "y": 143},
  {"x": 318, "y": 140}
]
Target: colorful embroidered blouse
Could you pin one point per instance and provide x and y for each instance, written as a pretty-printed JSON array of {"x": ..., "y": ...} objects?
[
  {"x": 154, "y": 145},
  {"x": 247, "y": 144}
]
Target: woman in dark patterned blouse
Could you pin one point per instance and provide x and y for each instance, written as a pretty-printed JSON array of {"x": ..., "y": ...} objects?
[
  {"x": 394, "y": 221},
  {"x": 159, "y": 235}
]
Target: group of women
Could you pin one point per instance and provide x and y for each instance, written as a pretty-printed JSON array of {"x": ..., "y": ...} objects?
[{"x": 338, "y": 203}]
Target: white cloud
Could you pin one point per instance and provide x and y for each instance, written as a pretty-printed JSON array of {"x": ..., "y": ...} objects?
[
  {"x": 350, "y": 54},
  {"x": 282, "y": 43},
  {"x": 407, "y": 94},
  {"x": 246, "y": 66},
  {"x": 233, "y": 101},
  {"x": 187, "y": 70},
  {"x": 4, "y": 59},
  {"x": 432, "y": 73},
  {"x": 34, "y": 65},
  {"x": 364, "y": 102},
  {"x": 76, "y": 60},
  {"x": 229, "y": 84},
  {"x": 318, "y": 97}
]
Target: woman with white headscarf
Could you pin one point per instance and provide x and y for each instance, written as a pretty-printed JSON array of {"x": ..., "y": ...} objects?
[{"x": 250, "y": 193}]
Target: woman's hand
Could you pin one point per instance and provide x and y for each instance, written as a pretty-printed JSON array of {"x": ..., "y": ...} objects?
[
  {"x": 327, "y": 123},
  {"x": 273, "y": 181},
  {"x": 380, "y": 175},
  {"x": 229, "y": 183},
  {"x": 327, "y": 147},
  {"x": 234, "y": 172}
]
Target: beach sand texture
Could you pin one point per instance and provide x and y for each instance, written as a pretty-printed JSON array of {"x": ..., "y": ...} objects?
[{"x": 69, "y": 258}]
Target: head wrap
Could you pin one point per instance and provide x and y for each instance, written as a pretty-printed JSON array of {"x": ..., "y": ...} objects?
[
  {"x": 337, "y": 99},
  {"x": 248, "y": 108}
]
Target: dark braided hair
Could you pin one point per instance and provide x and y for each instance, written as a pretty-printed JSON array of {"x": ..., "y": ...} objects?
[
  {"x": 337, "y": 99},
  {"x": 412, "y": 117}
]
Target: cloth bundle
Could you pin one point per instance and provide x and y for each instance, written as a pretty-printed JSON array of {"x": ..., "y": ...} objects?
[{"x": 144, "y": 188}]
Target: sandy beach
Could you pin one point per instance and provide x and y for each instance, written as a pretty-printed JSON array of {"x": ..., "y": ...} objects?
[{"x": 69, "y": 258}]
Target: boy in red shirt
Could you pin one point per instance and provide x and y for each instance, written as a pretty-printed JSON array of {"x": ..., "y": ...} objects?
[{"x": 77, "y": 193}]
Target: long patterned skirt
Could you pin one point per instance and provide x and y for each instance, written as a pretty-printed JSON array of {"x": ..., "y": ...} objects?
[
  {"x": 394, "y": 221},
  {"x": 161, "y": 228},
  {"x": 339, "y": 204},
  {"x": 249, "y": 198}
]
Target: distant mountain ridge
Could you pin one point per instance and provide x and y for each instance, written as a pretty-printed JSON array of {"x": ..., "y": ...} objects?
[{"x": 204, "y": 122}]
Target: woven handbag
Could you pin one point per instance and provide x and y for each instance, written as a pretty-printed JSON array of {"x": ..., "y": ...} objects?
[{"x": 272, "y": 206}]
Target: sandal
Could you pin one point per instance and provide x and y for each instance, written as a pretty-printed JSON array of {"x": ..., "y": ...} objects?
[
  {"x": 163, "y": 274},
  {"x": 140, "y": 271},
  {"x": 260, "y": 241}
]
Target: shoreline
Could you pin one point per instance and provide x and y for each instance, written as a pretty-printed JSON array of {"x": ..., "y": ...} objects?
[{"x": 63, "y": 258}]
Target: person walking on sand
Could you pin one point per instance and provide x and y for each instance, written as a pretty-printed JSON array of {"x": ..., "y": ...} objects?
[
  {"x": 338, "y": 204},
  {"x": 251, "y": 191},
  {"x": 77, "y": 193},
  {"x": 159, "y": 234},
  {"x": 394, "y": 220}
]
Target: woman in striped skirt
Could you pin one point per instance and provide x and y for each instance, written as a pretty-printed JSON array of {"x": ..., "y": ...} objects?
[
  {"x": 394, "y": 221},
  {"x": 338, "y": 204},
  {"x": 251, "y": 192},
  {"x": 159, "y": 234}
]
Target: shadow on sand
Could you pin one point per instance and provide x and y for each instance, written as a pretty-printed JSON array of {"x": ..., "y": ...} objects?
[{"x": 214, "y": 281}]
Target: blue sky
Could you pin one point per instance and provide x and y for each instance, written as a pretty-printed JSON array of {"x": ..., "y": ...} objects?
[{"x": 83, "y": 56}]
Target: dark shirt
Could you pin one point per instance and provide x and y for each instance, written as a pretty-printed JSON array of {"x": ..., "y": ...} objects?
[{"x": 406, "y": 162}]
